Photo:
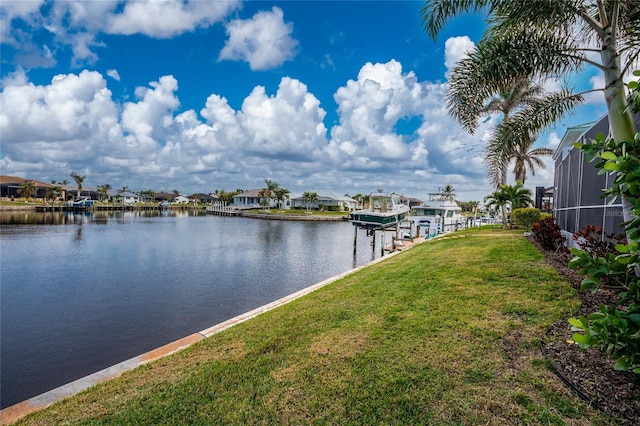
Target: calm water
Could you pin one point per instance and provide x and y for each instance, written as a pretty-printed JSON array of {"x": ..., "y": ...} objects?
[{"x": 80, "y": 292}]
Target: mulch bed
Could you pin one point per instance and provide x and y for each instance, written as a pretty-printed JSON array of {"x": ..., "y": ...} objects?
[{"x": 589, "y": 373}]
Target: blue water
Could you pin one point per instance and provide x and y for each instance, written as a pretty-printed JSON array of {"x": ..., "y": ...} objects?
[{"x": 81, "y": 292}]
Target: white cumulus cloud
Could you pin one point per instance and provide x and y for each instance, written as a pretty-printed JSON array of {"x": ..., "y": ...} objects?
[
  {"x": 163, "y": 19},
  {"x": 455, "y": 49},
  {"x": 73, "y": 124},
  {"x": 263, "y": 41}
]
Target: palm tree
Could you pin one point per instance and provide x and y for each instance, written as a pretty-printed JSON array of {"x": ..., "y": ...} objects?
[
  {"x": 122, "y": 191},
  {"x": 281, "y": 194},
  {"x": 448, "y": 193},
  {"x": 507, "y": 98},
  {"x": 63, "y": 192},
  {"x": 528, "y": 158},
  {"x": 269, "y": 193},
  {"x": 500, "y": 155},
  {"x": 310, "y": 197},
  {"x": 28, "y": 189},
  {"x": 79, "y": 179},
  {"x": 499, "y": 200},
  {"x": 103, "y": 191},
  {"x": 52, "y": 193},
  {"x": 520, "y": 97},
  {"x": 361, "y": 199},
  {"x": 516, "y": 197},
  {"x": 539, "y": 39}
]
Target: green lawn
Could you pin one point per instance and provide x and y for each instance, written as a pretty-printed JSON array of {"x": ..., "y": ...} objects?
[{"x": 446, "y": 333}]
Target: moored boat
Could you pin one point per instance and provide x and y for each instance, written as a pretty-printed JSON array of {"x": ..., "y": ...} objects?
[
  {"x": 437, "y": 216},
  {"x": 83, "y": 202},
  {"x": 382, "y": 211}
]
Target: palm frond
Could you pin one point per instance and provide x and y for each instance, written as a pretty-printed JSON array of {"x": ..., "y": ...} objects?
[{"x": 436, "y": 13}]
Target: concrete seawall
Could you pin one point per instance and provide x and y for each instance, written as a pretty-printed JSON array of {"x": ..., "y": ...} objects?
[
  {"x": 17, "y": 411},
  {"x": 312, "y": 218}
]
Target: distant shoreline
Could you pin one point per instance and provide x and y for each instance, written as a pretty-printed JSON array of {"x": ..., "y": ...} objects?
[{"x": 252, "y": 215}]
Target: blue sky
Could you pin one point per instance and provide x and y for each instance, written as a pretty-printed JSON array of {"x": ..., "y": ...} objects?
[{"x": 201, "y": 95}]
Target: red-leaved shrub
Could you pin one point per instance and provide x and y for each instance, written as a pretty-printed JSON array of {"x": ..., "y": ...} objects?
[{"x": 548, "y": 234}]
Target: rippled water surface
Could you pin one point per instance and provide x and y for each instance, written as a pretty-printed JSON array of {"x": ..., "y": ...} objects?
[{"x": 81, "y": 292}]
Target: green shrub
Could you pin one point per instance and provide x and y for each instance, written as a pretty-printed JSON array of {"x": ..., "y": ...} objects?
[
  {"x": 614, "y": 329},
  {"x": 545, "y": 215},
  {"x": 525, "y": 217}
]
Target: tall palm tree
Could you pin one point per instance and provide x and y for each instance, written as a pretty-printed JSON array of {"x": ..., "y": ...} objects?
[
  {"x": 269, "y": 192},
  {"x": 448, "y": 193},
  {"x": 500, "y": 154},
  {"x": 63, "y": 192},
  {"x": 361, "y": 199},
  {"x": 281, "y": 194},
  {"x": 79, "y": 179},
  {"x": 506, "y": 99},
  {"x": 310, "y": 197},
  {"x": 52, "y": 193},
  {"x": 28, "y": 189},
  {"x": 473, "y": 205},
  {"x": 122, "y": 191},
  {"x": 499, "y": 200},
  {"x": 519, "y": 98},
  {"x": 524, "y": 157},
  {"x": 103, "y": 191},
  {"x": 539, "y": 39}
]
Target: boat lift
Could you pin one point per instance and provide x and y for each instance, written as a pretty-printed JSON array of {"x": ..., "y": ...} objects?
[{"x": 371, "y": 228}]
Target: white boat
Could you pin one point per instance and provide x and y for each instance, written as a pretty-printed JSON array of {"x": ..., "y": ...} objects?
[
  {"x": 382, "y": 211},
  {"x": 82, "y": 202},
  {"x": 438, "y": 216}
]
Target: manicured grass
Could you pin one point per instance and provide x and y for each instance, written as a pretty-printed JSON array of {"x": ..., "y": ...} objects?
[{"x": 443, "y": 334}]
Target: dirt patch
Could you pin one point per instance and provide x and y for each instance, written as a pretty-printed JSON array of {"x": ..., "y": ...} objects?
[{"x": 589, "y": 373}]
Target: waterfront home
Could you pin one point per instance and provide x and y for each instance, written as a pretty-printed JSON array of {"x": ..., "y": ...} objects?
[
  {"x": 203, "y": 198},
  {"x": 411, "y": 202},
  {"x": 130, "y": 197},
  {"x": 250, "y": 200},
  {"x": 327, "y": 199},
  {"x": 181, "y": 199},
  {"x": 9, "y": 186},
  {"x": 165, "y": 196}
]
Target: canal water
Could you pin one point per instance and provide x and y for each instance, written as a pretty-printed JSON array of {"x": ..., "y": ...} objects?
[{"x": 82, "y": 292}]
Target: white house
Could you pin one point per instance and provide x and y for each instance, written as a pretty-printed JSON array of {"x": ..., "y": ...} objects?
[
  {"x": 181, "y": 199},
  {"x": 328, "y": 199},
  {"x": 250, "y": 200},
  {"x": 129, "y": 197}
]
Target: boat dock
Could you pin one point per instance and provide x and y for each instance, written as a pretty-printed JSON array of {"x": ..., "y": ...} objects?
[{"x": 223, "y": 209}]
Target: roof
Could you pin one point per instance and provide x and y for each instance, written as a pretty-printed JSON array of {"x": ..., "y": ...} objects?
[
  {"x": 128, "y": 194},
  {"x": 326, "y": 194},
  {"x": 16, "y": 180},
  {"x": 573, "y": 135},
  {"x": 254, "y": 193}
]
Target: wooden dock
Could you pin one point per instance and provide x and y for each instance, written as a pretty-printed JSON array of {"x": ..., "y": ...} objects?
[{"x": 222, "y": 209}]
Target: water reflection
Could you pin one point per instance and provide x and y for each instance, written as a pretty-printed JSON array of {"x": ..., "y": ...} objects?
[
  {"x": 80, "y": 217},
  {"x": 79, "y": 298}
]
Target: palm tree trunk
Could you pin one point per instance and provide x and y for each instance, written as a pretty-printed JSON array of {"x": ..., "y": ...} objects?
[{"x": 621, "y": 124}]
